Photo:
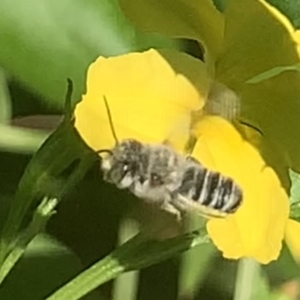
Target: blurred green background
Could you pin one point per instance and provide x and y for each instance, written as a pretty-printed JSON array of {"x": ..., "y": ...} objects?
[{"x": 44, "y": 42}]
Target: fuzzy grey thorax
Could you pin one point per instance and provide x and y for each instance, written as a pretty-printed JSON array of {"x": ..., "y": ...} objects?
[{"x": 160, "y": 173}]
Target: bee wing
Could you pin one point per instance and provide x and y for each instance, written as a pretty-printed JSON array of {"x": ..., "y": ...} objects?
[
  {"x": 222, "y": 102},
  {"x": 188, "y": 205},
  {"x": 180, "y": 136}
]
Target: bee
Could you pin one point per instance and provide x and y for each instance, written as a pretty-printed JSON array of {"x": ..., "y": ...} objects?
[
  {"x": 209, "y": 193},
  {"x": 162, "y": 176}
]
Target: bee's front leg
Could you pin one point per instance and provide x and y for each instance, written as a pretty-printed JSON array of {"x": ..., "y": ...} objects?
[{"x": 170, "y": 208}]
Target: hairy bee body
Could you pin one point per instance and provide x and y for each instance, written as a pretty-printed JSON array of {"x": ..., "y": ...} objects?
[
  {"x": 176, "y": 183},
  {"x": 208, "y": 192}
]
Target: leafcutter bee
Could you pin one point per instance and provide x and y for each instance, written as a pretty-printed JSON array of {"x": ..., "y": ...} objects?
[{"x": 160, "y": 175}]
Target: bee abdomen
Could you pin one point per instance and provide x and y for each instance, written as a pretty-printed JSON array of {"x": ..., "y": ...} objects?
[{"x": 211, "y": 189}]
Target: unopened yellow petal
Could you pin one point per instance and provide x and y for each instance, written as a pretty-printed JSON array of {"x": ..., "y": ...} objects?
[
  {"x": 257, "y": 228},
  {"x": 147, "y": 98},
  {"x": 292, "y": 237}
]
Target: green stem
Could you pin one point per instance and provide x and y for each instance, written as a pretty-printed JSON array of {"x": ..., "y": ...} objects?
[
  {"x": 136, "y": 254},
  {"x": 125, "y": 286},
  {"x": 99, "y": 273},
  {"x": 248, "y": 270},
  {"x": 21, "y": 140},
  {"x": 13, "y": 222},
  {"x": 40, "y": 218}
]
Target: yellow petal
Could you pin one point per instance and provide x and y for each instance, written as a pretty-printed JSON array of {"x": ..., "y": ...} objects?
[
  {"x": 257, "y": 228},
  {"x": 257, "y": 39},
  {"x": 292, "y": 237},
  {"x": 199, "y": 20},
  {"x": 147, "y": 98}
]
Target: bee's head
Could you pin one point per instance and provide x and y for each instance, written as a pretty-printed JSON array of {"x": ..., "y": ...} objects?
[{"x": 121, "y": 163}]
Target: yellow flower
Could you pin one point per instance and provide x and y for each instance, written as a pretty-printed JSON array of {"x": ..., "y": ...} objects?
[
  {"x": 248, "y": 38},
  {"x": 257, "y": 228},
  {"x": 148, "y": 108},
  {"x": 151, "y": 95},
  {"x": 147, "y": 98}
]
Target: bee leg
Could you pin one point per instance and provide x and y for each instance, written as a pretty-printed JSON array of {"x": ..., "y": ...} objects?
[
  {"x": 180, "y": 206},
  {"x": 168, "y": 207}
]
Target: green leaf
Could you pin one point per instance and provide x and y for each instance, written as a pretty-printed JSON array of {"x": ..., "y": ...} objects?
[
  {"x": 40, "y": 217},
  {"x": 295, "y": 195},
  {"x": 272, "y": 73},
  {"x": 285, "y": 268},
  {"x": 54, "y": 40},
  {"x": 137, "y": 253},
  {"x": 46, "y": 264},
  {"x": 61, "y": 162},
  {"x": 45, "y": 169},
  {"x": 295, "y": 187}
]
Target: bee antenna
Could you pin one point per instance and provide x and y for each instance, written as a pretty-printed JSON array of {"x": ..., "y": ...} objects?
[{"x": 110, "y": 123}]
